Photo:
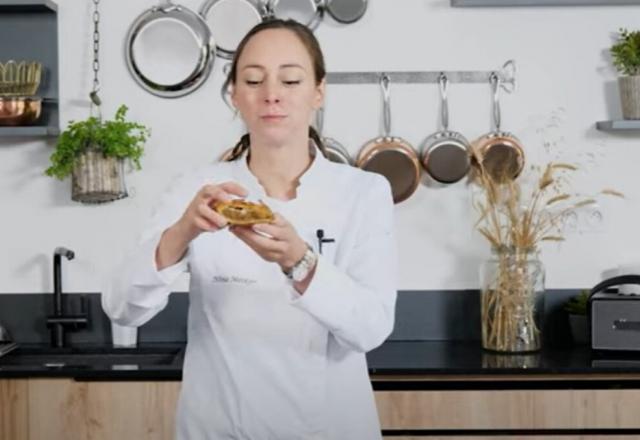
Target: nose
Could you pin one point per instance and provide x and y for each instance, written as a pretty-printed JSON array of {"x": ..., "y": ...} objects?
[{"x": 272, "y": 93}]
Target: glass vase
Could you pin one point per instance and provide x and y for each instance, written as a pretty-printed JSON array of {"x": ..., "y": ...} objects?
[{"x": 512, "y": 301}]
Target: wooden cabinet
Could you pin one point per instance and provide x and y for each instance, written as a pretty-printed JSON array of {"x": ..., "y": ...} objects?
[
  {"x": 509, "y": 409},
  {"x": 517, "y": 437},
  {"x": 13, "y": 409},
  {"x": 62, "y": 409}
]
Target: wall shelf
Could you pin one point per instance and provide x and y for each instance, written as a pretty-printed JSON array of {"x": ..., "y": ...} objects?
[
  {"x": 28, "y": 6},
  {"x": 38, "y": 21},
  {"x": 38, "y": 131},
  {"x": 619, "y": 125},
  {"x": 507, "y": 3}
]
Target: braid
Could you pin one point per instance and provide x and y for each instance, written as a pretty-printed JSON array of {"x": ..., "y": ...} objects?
[
  {"x": 242, "y": 146},
  {"x": 313, "y": 134},
  {"x": 244, "y": 143}
]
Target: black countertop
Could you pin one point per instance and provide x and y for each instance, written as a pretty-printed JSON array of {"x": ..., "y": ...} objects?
[{"x": 413, "y": 360}]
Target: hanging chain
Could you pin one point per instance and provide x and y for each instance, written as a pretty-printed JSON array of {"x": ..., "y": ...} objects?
[{"x": 95, "y": 99}]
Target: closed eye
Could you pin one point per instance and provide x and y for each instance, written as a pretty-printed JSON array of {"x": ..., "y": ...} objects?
[
  {"x": 292, "y": 83},
  {"x": 252, "y": 83}
]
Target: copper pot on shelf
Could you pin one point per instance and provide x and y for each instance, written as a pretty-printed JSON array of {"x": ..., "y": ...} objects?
[{"x": 19, "y": 110}]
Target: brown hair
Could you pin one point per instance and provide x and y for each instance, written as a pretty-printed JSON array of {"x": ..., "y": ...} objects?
[{"x": 313, "y": 48}]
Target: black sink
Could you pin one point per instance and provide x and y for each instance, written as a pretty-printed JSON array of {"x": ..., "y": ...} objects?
[{"x": 91, "y": 356}]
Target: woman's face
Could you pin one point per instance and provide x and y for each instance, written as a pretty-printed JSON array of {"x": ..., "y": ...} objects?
[{"x": 275, "y": 89}]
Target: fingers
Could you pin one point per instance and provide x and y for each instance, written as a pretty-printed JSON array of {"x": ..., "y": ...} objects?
[
  {"x": 256, "y": 241},
  {"x": 278, "y": 229},
  {"x": 223, "y": 191},
  {"x": 208, "y": 219},
  {"x": 234, "y": 188}
]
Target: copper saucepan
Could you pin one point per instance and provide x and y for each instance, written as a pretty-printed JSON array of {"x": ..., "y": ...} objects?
[
  {"x": 393, "y": 157},
  {"x": 446, "y": 154},
  {"x": 20, "y": 110},
  {"x": 500, "y": 152}
]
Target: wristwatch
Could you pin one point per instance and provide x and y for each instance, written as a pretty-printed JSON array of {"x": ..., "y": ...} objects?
[{"x": 302, "y": 268}]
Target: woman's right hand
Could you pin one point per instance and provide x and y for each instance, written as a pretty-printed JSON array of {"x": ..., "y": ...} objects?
[{"x": 199, "y": 217}]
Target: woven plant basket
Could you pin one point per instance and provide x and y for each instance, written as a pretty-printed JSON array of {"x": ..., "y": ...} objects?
[
  {"x": 630, "y": 96},
  {"x": 97, "y": 179}
]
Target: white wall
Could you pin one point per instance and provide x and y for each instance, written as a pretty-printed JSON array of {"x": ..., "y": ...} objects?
[{"x": 565, "y": 84}]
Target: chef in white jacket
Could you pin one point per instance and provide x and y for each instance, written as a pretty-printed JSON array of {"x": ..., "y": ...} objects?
[{"x": 282, "y": 314}]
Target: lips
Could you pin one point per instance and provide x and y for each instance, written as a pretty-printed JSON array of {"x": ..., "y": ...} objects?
[{"x": 273, "y": 117}]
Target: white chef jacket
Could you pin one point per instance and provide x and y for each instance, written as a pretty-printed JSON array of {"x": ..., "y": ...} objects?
[{"x": 263, "y": 362}]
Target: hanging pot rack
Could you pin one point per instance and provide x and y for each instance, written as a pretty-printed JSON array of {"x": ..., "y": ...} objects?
[{"x": 506, "y": 75}]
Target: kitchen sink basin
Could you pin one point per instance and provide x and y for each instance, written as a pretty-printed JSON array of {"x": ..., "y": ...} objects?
[{"x": 91, "y": 356}]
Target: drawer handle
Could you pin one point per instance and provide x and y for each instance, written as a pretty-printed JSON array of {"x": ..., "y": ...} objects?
[{"x": 623, "y": 324}]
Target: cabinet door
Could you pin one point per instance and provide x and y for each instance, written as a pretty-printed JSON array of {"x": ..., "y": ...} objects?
[
  {"x": 62, "y": 409},
  {"x": 13, "y": 409},
  {"x": 509, "y": 409}
]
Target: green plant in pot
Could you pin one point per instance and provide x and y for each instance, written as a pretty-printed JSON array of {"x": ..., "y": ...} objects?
[
  {"x": 625, "y": 53},
  {"x": 577, "y": 308},
  {"x": 93, "y": 153}
]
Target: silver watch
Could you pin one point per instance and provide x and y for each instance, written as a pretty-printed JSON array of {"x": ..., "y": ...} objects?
[{"x": 302, "y": 268}]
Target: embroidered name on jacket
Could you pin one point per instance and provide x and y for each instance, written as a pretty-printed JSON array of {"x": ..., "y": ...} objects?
[{"x": 232, "y": 279}]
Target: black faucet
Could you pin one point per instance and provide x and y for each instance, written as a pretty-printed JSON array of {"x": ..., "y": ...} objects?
[{"x": 58, "y": 321}]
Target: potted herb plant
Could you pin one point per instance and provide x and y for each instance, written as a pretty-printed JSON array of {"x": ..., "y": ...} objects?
[
  {"x": 93, "y": 153},
  {"x": 626, "y": 59},
  {"x": 577, "y": 307}
]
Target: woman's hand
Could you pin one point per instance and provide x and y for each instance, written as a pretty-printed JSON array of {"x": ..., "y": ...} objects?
[
  {"x": 277, "y": 242},
  {"x": 199, "y": 217}
]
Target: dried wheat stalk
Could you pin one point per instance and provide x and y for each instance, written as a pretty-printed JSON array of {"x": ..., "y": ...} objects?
[{"x": 515, "y": 227}]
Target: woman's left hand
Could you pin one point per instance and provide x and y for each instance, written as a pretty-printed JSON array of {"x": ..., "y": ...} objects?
[{"x": 282, "y": 246}]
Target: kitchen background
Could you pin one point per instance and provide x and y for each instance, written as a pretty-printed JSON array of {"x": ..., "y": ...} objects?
[{"x": 565, "y": 83}]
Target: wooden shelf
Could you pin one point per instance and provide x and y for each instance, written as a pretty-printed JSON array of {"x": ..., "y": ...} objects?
[
  {"x": 507, "y": 3},
  {"x": 38, "y": 19},
  {"x": 619, "y": 125},
  {"x": 28, "y": 6}
]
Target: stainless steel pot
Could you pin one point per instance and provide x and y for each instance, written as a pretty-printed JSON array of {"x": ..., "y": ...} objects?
[
  {"x": 307, "y": 12},
  {"x": 393, "y": 157},
  {"x": 500, "y": 153},
  {"x": 446, "y": 154},
  {"x": 229, "y": 21},
  {"x": 169, "y": 50},
  {"x": 336, "y": 152},
  {"x": 346, "y": 11}
]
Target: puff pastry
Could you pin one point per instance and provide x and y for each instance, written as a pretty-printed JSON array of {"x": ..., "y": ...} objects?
[{"x": 242, "y": 212}]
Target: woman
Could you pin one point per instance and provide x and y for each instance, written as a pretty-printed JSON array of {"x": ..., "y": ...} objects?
[{"x": 279, "y": 319}]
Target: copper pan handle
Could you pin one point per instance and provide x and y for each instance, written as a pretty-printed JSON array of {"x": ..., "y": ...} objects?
[
  {"x": 386, "y": 109},
  {"x": 495, "y": 85}
]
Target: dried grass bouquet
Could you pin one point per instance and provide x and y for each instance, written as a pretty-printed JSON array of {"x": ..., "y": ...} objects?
[{"x": 516, "y": 221}]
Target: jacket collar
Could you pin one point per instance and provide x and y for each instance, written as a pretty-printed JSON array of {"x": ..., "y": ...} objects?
[{"x": 311, "y": 179}]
